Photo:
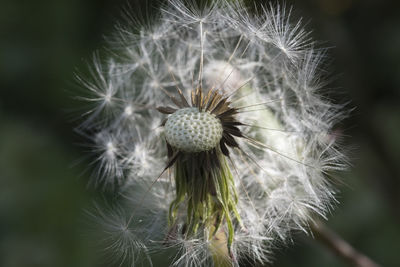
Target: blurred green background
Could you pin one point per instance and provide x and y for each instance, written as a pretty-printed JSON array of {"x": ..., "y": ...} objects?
[{"x": 43, "y": 191}]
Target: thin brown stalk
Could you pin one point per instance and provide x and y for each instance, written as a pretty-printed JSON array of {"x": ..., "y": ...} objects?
[{"x": 340, "y": 246}]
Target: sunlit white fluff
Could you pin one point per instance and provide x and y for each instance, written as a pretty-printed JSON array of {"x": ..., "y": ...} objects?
[
  {"x": 272, "y": 72},
  {"x": 121, "y": 242}
]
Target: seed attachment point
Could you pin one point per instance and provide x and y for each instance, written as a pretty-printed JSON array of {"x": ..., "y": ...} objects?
[{"x": 191, "y": 130}]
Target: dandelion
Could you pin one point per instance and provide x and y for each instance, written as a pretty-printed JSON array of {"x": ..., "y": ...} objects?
[{"x": 210, "y": 125}]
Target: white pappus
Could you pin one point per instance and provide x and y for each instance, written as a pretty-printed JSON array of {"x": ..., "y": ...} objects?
[{"x": 246, "y": 164}]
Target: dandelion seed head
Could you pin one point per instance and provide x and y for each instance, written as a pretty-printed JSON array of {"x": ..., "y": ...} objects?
[{"x": 212, "y": 121}]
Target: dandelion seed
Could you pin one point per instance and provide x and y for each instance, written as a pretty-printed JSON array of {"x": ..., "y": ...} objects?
[{"x": 211, "y": 123}]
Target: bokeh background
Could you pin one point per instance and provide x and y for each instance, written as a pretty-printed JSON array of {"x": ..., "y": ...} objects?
[{"x": 43, "y": 189}]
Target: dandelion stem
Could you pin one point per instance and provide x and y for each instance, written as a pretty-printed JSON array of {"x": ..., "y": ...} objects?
[
  {"x": 340, "y": 246},
  {"x": 219, "y": 250}
]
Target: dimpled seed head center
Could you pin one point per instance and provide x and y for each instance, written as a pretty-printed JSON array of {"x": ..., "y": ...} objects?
[{"x": 191, "y": 130}]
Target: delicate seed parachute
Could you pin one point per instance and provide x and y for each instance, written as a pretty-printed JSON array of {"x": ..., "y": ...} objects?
[{"x": 209, "y": 124}]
